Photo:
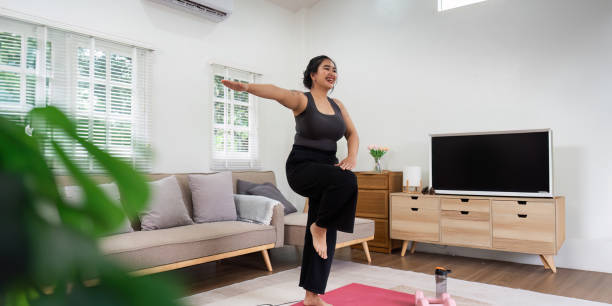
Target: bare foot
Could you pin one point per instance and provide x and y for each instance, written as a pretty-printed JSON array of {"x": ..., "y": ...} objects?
[
  {"x": 319, "y": 240},
  {"x": 314, "y": 300}
]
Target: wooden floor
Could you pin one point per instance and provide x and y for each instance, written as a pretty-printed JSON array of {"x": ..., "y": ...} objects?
[{"x": 586, "y": 285}]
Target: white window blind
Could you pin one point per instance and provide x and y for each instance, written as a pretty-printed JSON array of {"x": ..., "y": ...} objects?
[
  {"x": 21, "y": 71},
  {"x": 234, "y": 129},
  {"x": 103, "y": 86}
]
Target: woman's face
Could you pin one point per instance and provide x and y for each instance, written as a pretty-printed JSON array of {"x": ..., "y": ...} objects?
[{"x": 325, "y": 77}]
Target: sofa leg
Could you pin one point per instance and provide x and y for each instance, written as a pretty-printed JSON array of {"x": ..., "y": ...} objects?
[
  {"x": 366, "y": 251},
  {"x": 267, "y": 259}
]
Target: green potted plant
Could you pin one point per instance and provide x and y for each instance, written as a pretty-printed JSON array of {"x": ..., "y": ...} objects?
[{"x": 49, "y": 249}]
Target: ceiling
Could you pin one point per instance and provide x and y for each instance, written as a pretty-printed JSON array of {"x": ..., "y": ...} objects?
[{"x": 294, "y": 5}]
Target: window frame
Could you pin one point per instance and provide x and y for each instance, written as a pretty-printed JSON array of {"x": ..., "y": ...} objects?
[
  {"x": 91, "y": 115},
  {"x": 22, "y": 108},
  {"x": 134, "y": 147},
  {"x": 230, "y": 158}
]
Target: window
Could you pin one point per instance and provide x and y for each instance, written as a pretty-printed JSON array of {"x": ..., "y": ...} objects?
[
  {"x": 101, "y": 85},
  {"x": 444, "y": 5},
  {"x": 20, "y": 69},
  {"x": 234, "y": 128}
]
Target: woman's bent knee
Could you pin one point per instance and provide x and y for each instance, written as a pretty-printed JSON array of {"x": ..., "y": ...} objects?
[{"x": 346, "y": 179}]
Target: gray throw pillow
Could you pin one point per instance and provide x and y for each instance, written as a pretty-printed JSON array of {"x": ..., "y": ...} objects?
[
  {"x": 74, "y": 195},
  {"x": 213, "y": 198},
  {"x": 268, "y": 190},
  {"x": 243, "y": 186},
  {"x": 166, "y": 208}
]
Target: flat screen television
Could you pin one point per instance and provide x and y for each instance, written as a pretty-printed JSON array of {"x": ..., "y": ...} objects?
[{"x": 508, "y": 163}]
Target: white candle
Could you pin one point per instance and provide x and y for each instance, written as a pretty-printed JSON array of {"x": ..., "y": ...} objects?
[{"x": 413, "y": 175}]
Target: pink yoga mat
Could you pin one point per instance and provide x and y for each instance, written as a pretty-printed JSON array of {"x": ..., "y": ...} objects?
[{"x": 358, "y": 294}]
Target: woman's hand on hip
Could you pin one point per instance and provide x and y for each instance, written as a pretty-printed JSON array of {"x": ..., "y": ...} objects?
[
  {"x": 347, "y": 163},
  {"x": 237, "y": 86}
]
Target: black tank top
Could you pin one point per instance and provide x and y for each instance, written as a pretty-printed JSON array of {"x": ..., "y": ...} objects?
[{"x": 317, "y": 130}]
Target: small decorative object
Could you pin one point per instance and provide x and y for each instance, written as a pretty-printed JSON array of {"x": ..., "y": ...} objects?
[
  {"x": 425, "y": 190},
  {"x": 377, "y": 152},
  {"x": 412, "y": 180}
]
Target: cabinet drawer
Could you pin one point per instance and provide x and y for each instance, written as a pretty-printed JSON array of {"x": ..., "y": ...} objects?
[
  {"x": 373, "y": 203},
  {"x": 526, "y": 228},
  {"x": 414, "y": 223},
  {"x": 381, "y": 233},
  {"x": 415, "y": 201},
  {"x": 372, "y": 181},
  {"x": 465, "y": 204},
  {"x": 466, "y": 228}
]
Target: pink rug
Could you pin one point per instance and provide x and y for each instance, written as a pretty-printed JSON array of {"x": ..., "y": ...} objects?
[{"x": 358, "y": 294}]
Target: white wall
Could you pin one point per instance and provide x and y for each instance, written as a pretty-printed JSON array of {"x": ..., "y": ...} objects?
[
  {"x": 406, "y": 70},
  {"x": 259, "y": 36}
]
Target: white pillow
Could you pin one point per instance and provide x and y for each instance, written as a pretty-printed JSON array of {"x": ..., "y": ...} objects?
[{"x": 74, "y": 196}]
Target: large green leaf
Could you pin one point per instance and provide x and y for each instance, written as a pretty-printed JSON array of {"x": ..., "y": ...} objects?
[
  {"x": 20, "y": 154},
  {"x": 104, "y": 214},
  {"x": 132, "y": 185},
  {"x": 62, "y": 253}
]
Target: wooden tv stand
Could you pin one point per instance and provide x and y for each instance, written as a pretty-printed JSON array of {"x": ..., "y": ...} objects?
[{"x": 524, "y": 225}]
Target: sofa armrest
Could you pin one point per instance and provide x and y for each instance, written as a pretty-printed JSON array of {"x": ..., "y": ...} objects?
[
  {"x": 259, "y": 209},
  {"x": 278, "y": 221}
]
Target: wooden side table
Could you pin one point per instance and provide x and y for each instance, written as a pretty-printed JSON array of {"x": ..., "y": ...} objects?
[{"x": 373, "y": 204}]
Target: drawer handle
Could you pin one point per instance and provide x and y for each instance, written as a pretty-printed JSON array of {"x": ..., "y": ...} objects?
[
  {"x": 465, "y": 200},
  {"x": 414, "y": 197},
  {"x": 414, "y": 208},
  {"x": 522, "y": 215},
  {"x": 463, "y": 212},
  {"x": 522, "y": 202}
]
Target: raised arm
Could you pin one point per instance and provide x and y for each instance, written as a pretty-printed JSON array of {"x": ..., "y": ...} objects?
[{"x": 292, "y": 99}]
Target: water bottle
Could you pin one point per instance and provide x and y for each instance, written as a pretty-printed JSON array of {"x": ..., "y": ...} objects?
[{"x": 441, "y": 274}]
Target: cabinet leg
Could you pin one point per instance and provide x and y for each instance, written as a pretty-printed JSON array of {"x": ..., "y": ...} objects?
[
  {"x": 413, "y": 247},
  {"x": 544, "y": 262},
  {"x": 404, "y": 247},
  {"x": 549, "y": 262}
]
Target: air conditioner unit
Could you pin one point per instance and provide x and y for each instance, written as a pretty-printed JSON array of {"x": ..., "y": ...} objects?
[{"x": 215, "y": 10}]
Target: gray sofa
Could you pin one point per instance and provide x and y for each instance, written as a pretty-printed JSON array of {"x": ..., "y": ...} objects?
[
  {"x": 146, "y": 252},
  {"x": 295, "y": 229}
]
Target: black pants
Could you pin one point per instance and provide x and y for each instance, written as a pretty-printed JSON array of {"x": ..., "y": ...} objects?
[{"x": 332, "y": 194}]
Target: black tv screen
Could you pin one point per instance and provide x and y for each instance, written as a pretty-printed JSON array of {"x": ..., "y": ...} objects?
[{"x": 515, "y": 163}]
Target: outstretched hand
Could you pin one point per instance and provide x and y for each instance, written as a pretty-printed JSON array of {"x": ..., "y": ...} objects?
[
  {"x": 237, "y": 86},
  {"x": 347, "y": 163}
]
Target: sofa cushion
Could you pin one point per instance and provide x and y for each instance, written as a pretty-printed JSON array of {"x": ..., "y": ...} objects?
[
  {"x": 295, "y": 229},
  {"x": 258, "y": 177},
  {"x": 166, "y": 208},
  {"x": 74, "y": 196},
  {"x": 212, "y": 197},
  {"x": 243, "y": 186},
  {"x": 140, "y": 250},
  {"x": 267, "y": 190},
  {"x": 183, "y": 180}
]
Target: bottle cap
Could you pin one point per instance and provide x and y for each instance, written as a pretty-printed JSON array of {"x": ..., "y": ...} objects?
[{"x": 442, "y": 271}]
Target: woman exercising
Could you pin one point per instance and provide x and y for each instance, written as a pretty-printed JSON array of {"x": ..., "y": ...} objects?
[{"x": 313, "y": 170}]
